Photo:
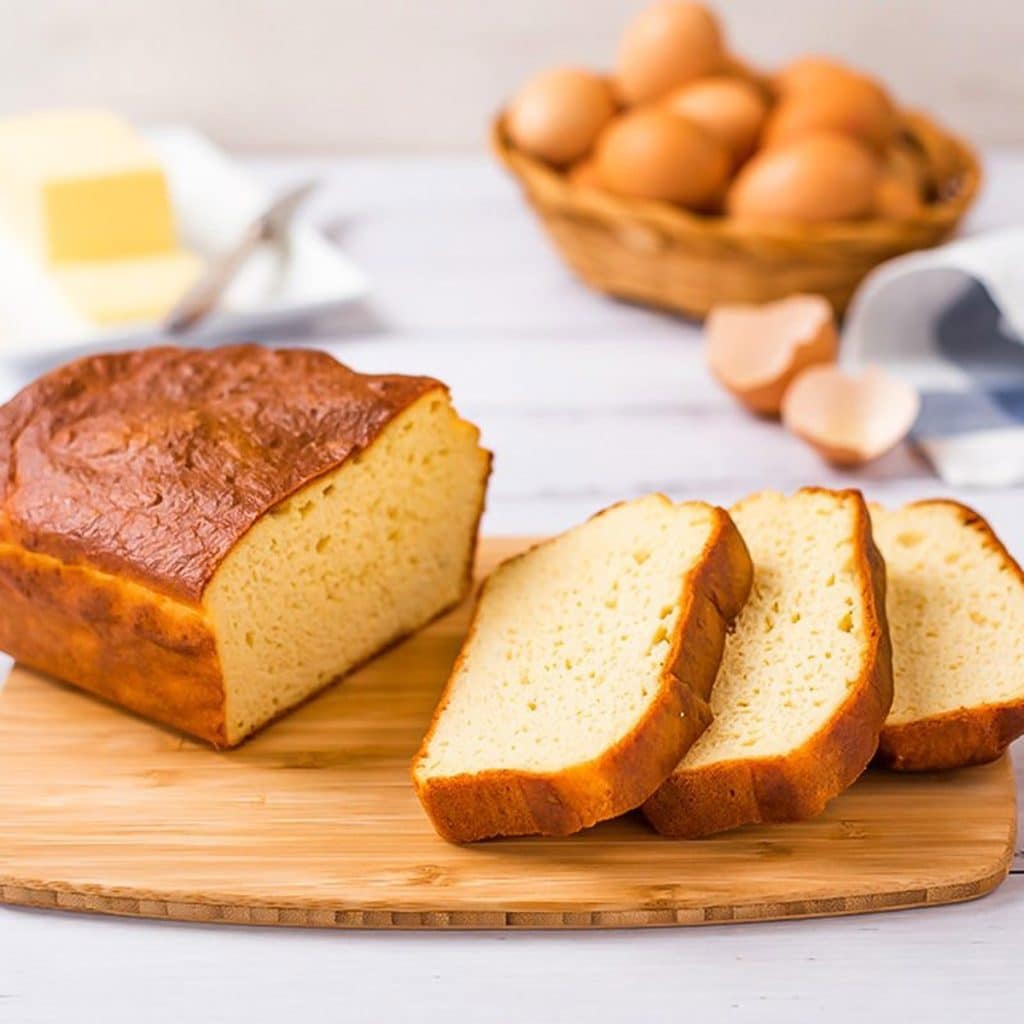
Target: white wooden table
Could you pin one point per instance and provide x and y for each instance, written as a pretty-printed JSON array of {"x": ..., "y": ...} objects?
[{"x": 585, "y": 401}]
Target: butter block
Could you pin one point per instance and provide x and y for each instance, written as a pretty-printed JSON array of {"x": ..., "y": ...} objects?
[
  {"x": 82, "y": 185},
  {"x": 128, "y": 291}
]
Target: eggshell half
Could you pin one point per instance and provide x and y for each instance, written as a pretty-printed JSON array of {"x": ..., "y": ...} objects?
[
  {"x": 665, "y": 46},
  {"x": 850, "y": 420},
  {"x": 558, "y": 114},
  {"x": 756, "y": 351},
  {"x": 729, "y": 108},
  {"x": 825, "y": 177}
]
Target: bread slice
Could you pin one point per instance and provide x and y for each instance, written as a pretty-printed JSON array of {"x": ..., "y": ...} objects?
[
  {"x": 585, "y": 674},
  {"x": 956, "y": 609},
  {"x": 806, "y": 678}
]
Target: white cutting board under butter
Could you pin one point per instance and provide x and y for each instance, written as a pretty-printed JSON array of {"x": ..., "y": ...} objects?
[{"x": 214, "y": 202}]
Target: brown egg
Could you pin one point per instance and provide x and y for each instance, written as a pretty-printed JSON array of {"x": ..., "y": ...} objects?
[
  {"x": 559, "y": 113},
  {"x": 666, "y": 46},
  {"x": 850, "y": 420},
  {"x": 652, "y": 154},
  {"x": 841, "y": 102},
  {"x": 826, "y": 177},
  {"x": 585, "y": 175},
  {"x": 730, "y": 109},
  {"x": 756, "y": 351},
  {"x": 808, "y": 73}
]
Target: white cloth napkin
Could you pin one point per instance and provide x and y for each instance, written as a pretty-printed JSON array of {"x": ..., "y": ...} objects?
[{"x": 950, "y": 321}]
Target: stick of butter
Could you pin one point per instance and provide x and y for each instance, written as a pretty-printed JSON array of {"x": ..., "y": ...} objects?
[
  {"x": 128, "y": 291},
  {"x": 82, "y": 185}
]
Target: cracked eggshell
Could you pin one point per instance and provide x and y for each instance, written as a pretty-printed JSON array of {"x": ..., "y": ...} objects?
[
  {"x": 756, "y": 351},
  {"x": 850, "y": 420}
]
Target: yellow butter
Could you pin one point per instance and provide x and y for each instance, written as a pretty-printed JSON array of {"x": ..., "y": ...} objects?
[
  {"x": 82, "y": 185},
  {"x": 128, "y": 291}
]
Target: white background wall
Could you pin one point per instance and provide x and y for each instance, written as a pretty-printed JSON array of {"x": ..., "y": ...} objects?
[{"x": 335, "y": 75}]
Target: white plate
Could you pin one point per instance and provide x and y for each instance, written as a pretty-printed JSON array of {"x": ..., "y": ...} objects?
[{"x": 214, "y": 201}]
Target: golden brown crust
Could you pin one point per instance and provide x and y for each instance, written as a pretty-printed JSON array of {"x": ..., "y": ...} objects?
[
  {"x": 506, "y": 802},
  {"x": 100, "y": 584},
  {"x": 127, "y": 644},
  {"x": 965, "y": 736},
  {"x": 152, "y": 465},
  {"x": 141, "y": 650},
  {"x": 955, "y": 739},
  {"x": 798, "y": 785}
]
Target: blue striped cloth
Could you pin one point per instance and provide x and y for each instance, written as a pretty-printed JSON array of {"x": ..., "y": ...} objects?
[{"x": 950, "y": 321}]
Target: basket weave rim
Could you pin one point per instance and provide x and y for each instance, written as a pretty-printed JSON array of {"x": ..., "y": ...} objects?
[{"x": 560, "y": 193}]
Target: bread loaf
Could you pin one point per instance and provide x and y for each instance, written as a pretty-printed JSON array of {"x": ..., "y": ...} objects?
[
  {"x": 806, "y": 678},
  {"x": 210, "y": 537},
  {"x": 956, "y": 608},
  {"x": 585, "y": 674}
]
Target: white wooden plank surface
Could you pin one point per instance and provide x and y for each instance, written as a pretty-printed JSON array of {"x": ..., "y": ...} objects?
[
  {"x": 584, "y": 401},
  {"x": 918, "y": 965}
]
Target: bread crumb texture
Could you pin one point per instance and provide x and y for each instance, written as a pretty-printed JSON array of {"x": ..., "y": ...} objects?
[
  {"x": 955, "y": 602},
  {"x": 358, "y": 558},
  {"x": 570, "y": 643},
  {"x": 798, "y": 647}
]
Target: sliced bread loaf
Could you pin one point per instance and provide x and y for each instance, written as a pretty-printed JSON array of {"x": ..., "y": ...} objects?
[
  {"x": 956, "y": 609},
  {"x": 805, "y": 682},
  {"x": 210, "y": 536},
  {"x": 585, "y": 674}
]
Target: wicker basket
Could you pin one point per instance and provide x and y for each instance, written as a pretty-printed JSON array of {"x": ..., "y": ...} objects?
[{"x": 661, "y": 255}]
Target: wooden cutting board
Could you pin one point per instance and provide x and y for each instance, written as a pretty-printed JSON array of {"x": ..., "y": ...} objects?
[{"x": 314, "y": 822}]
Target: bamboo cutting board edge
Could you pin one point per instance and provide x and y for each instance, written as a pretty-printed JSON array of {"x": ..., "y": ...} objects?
[
  {"x": 199, "y": 910},
  {"x": 109, "y": 822}
]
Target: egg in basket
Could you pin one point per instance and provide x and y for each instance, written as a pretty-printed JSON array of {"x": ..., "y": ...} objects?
[{"x": 686, "y": 178}]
